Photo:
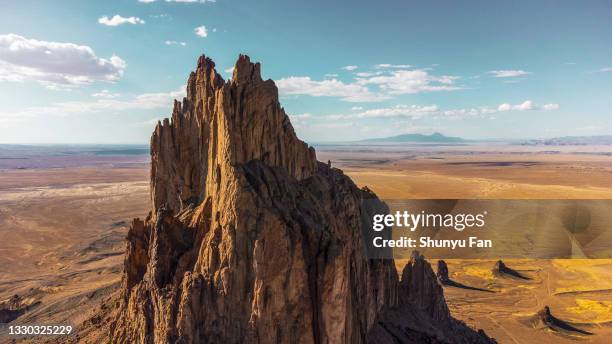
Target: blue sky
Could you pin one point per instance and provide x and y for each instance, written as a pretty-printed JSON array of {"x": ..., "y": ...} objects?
[{"x": 105, "y": 71}]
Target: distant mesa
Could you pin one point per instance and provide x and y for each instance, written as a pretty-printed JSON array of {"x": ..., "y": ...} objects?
[
  {"x": 601, "y": 140},
  {"x": 417, "y": 138}
]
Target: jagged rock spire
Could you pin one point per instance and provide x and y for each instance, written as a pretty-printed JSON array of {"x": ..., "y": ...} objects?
[{"x": 222, "y": 123}]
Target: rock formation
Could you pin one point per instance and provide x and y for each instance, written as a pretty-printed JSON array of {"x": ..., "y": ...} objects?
[
  {"x": 556, "y": 324},
  {"x": 443, "y": 279},
  {"x": 252, "y": 240},
  {"x": 14, "y": 307},
  {"x": 502, "y": 269}
]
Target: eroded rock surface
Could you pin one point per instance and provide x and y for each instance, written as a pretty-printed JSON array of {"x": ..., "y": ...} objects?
[{"x": 251, "y": 240}]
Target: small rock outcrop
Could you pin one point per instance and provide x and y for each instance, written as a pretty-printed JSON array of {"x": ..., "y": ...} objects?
[
  {"x": 252, "y": 240},
  {"x": 502, "y": 269},
  {"x": 442, "y": 273},
  {"x": 442, "y": 276},
  {"x": 14, "y": 307},
  {"x": 557, "y": 324}
]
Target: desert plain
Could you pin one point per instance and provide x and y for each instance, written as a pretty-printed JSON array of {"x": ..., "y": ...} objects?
[{"x": 63, "y": 224}]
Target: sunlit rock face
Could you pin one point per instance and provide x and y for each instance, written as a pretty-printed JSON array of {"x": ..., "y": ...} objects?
[{"x": 251, "y": 240}]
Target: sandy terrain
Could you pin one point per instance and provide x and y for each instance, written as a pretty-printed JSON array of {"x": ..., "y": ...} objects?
[
  {"x": 62, "y": 236},
  {"x": 506, "y": 172},
  {"x": 62, "y": 243}
]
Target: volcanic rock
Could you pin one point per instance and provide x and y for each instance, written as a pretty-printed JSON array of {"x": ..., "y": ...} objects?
[
  {"x": 557, "y": 324},
  {"x": 502, "y": 269},
  {"x": 443, "y": 279},
  {"x": 252, "y": 240},
  {"x": 421, "y": 315}
]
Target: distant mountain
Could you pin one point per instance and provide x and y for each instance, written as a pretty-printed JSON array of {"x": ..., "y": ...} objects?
[
  {"x": 419, "y": 138},
  {"x": 572, "y": 141}
]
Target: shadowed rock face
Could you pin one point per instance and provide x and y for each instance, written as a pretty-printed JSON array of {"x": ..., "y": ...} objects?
[{"x": 251, "y": 240}]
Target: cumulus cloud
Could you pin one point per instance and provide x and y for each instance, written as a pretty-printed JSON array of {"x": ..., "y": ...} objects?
[
  {"x": 526, "y": 106},
  {"x": 606, "y": 69},
  {"x": 201, "y": 31},
  {"x": 410, "y": 82},
  {"x": 327, "y": 88},
  {"x": 350, "y": 67},
  {"x": 117, "y": 20},
  {"x": 182, "y": 44},
  {"x": 54, "y": 64},
  {"x": 146, "y": 1},
  {"x": 371, "y": 86},
  {"x": 508, "y": 73}
]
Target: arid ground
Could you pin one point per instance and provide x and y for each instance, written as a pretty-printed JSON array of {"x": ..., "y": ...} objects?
[{"x": 62, "y": 233}]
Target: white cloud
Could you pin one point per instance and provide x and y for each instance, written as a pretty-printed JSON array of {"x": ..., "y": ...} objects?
[
  {"x": 433, "y": 111},
  {"x": 508, "y": 73},
  {"x": 388, "y": 65},
  {"x": 201, "y": 31},
  {"x": 350, "y": 68},
  {"x": 331, "y": 75},
  {"x": 370, "y": 86},
  {"x": 327, "y": 88},
  {"x": 229, "y": 70},
  {"x": 368, "y": 74},
  {"x": 117, "y": 20},
  {"x": 412, "y": 111},
  {"x": 54, "y": 64},
  {"x": 145, "y": 101},
  {"x": 105, "y": 94},
  {"x": 606, "y": 69},
  {"x": 504, "y": 107},
  {"x": 183, "y": 44},
  {"x": 356, "y": 108},
  {"x": 526, "y": 105},
  {"x": 410, "y": 82},
  {"x": 146, "y": 1}
]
